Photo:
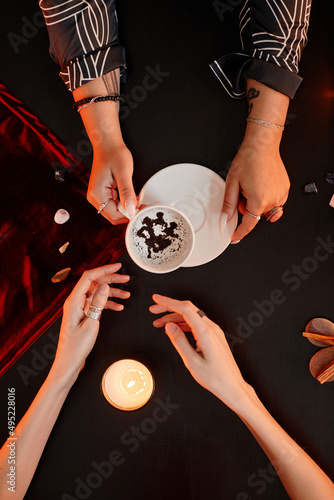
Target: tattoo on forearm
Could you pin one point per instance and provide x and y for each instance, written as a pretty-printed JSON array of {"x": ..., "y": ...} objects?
[
  {"x": 111, "y": 82},
  {"x": 251, "y": 94}
]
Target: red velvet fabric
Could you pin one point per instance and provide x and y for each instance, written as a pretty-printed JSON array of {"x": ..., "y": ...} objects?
[{"x": 29, "y": 237}]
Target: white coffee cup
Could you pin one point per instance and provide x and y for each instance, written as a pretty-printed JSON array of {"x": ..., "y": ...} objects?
[{"x": 159, "y": 238}]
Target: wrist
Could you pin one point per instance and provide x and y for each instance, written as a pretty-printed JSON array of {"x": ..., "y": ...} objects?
[{"x": 63, "y": 376}]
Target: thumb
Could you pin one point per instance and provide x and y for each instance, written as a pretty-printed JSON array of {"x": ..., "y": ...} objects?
[
  {"x": 180, "y": 342},
  {"x": 126, "y": 192},
  {"x": 231, "y": 197}
]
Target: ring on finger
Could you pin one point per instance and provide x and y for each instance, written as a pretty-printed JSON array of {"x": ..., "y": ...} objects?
[
  {"x": 257, "y": 217},
  {"x": 272, "y": 212},
  {"x": 94, "y": 312},
  {"x": 201, "y": 313},
  {"x": 103, "y": 206}
]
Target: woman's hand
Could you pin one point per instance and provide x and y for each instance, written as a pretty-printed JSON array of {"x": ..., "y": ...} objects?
[
  {"x": 110, "y": 170},
  {"x": 257, "y": 181},
  {"x": 259, "y": 175},
  {"x": 78, "y": 332},
  {"x": 112, "y": 164},
  {"x": 212, "y": 364}
]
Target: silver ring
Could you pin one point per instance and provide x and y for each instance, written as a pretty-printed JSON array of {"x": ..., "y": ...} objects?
[
  {"x": 257, "y": 217},
  {"x": 94, "y": 312},
  {"x": 201, "y": 313},
  {"x": 103, "y": 206},
  {"x": 272, "y": 212},
  {"x": 95, "y": 309}
]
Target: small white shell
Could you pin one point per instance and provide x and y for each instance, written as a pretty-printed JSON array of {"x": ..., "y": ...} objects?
[
  {"x": 62, "y": 249},
  {"x": 61, "y": 275},
  {"x": 61, "y": 216}
]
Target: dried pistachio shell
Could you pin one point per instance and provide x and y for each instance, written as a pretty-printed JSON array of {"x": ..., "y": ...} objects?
[
  {"x": 61, "y": 216},
  {"x": 62, "y": 249},
  {"x": 61, "y": 275}
]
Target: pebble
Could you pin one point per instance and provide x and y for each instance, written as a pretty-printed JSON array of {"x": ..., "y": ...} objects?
[
  {"x": 310, "y": 188},
  {"x": 330, "y": 177},
  {"x": 61, "y": 216},
  {"x": 61, "y": 275},
  {"x": 62, "y": 249}
]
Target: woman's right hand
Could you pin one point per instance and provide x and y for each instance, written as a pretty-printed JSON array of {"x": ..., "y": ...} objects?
[{"x": 212, "y": 364}]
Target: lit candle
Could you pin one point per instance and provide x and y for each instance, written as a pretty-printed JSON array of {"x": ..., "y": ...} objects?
[{"x": 127, "y": 384}]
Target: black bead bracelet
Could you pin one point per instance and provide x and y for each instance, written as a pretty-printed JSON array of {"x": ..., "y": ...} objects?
[{"x": 90, "y": 100}]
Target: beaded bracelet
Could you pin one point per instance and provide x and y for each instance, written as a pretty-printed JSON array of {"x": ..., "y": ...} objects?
[
  {"x": 266, "y": 124},
  {"x": 83, "y": 103}
]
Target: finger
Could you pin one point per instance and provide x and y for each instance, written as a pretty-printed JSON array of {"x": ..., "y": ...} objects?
[
  {"x": 158, "y": 309},
  {"x": 120, "y": 294},
  {"x": 126, "y": 192},
  {"x": 181, "y": 344},
  {"x": 112, "y": 214},
  {"x": 277, "y": 216},
  {"x": 247, "y": 225},
  {"x": 231, "y": 197},
  {"x": 99, "y": 193},
  {"x": 119, "y": 278},
  {"x": 114, "y": 306},
  {"x": 186, "y": 309},
  {"x": 99, "y": 299},
  {"x": 98, "y": 276},
  {"x": 174, "y": 317}
]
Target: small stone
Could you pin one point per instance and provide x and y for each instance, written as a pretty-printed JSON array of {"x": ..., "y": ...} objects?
[
  {"x": 310, "y": 188},
  {"x": 330, "y": 177},
  {"x": 61, "y": 275},
  {"x": 331, "y": 203},
  {"x": 61, "y": 216},
  {"x": 59, "y": 176},
  {"x": 62, "y": 249}
]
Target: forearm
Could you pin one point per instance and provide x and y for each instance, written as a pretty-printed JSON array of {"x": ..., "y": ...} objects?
[
  {"x": 270, "y": 106},
  {"x": 33, "y": 432},
  {"x": 101, "y": 119},
  {"x": 300, "y": 475}
]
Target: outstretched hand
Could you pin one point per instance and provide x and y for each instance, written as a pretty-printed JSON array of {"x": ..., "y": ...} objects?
[
  {"x": 211, "y": 364},
  {"x": 78, "y": 332}
]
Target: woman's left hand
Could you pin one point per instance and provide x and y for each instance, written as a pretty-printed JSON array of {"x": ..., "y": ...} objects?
[{"x": 78, "y": 332}]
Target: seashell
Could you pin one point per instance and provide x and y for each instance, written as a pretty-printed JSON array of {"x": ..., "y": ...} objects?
[
  {"x": 61, "y": 216},
  {"x": 61, "y": 275},
  {"x": 62, "y": 249},
  {"x": 310, "y": 188}
]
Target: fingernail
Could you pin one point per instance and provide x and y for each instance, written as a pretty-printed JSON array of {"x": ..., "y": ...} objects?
[
  {"x": 171, "y": 327},
  {"x": 130, "y": 208},
  {"x": 222, "y": 222},
  {"x": 235, "y": 242}
]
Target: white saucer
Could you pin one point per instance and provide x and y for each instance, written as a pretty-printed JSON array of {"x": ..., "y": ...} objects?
[{"x": 198, "y": 192}]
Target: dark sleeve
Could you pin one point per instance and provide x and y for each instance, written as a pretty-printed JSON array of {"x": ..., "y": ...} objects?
[
  {"x": 83, "y": 39},
  {"x": 273, "y": 34}
]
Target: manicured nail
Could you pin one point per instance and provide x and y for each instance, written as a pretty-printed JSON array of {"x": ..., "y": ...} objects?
[
  {"x": 235, "y": 242},
  {"x": 222, "y": 222},
  {"x": 130, "y": 208},
  {"x": 171, "y": 327}
]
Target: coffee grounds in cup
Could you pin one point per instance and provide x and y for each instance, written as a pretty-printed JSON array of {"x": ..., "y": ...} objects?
[{"x": 157, "y": 242}]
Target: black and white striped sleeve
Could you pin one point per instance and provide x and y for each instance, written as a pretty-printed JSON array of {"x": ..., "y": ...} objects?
[
  {"x": 83, "y": 38},
  {"x": 273, "y": 34}
]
